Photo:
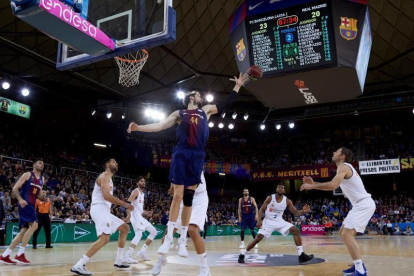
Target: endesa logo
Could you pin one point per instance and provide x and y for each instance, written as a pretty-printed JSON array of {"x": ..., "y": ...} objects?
[
  {"x": 309, "y": 98},
  {"x": 68, "y": 15},
  {"x": 313, "y": 228}
]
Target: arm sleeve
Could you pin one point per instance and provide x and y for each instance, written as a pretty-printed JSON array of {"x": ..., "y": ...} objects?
[{"x": 221, "y": 106}]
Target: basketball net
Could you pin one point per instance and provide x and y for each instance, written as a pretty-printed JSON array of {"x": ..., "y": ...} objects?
[{"x": 130, "y": 66}]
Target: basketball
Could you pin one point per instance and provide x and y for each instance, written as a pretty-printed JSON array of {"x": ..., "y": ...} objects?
[{"x": 255, "y": 72}]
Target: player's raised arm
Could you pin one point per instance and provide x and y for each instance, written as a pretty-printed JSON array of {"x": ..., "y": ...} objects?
[
  {"x": 212, "y": 109},
  {"x": 309, "y": 184},
  {"x": 161, "y": 125},
  {"x": 104, "y": 181},
  {"x": 295, "y": 211}
]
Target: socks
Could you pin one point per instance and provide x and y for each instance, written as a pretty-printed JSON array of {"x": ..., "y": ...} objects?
[
  {"x": 82, "y": 261},
  {"x": 358, "y": 266},
  {"x": 203, "y": 258},
  {"x": 253, "y": 233},
  {"x": 242, "y": 235},
  {"x": 171, "y": 226},
  {"x": 300, "y": 250},
  {"x": 144, "y": 248},
  {"x": 7, "y": 252},
  {"x": 129, "y": 253},
  {"x": 184, "y": 230},
  {"x": 243, "y": 251},
  {"x": 21, "y": 250},
  {"x": 119, "y": 254}
]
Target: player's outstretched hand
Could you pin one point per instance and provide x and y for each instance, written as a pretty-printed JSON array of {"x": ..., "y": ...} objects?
[
  {"x": 306, "y": 208},
  {"x": 132, "y": 127},
  {"x": 171, "y": 191},
  {"x": 259, "y": 224},
  {"x": 241, "y": 80},
  {"x": 306, "y": 187},
  {"x": 307, "y": 180},
  {"x": 23, "y": 203}
]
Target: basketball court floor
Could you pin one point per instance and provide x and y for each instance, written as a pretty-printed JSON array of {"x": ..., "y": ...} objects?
[{"x": 383, "y": 255}]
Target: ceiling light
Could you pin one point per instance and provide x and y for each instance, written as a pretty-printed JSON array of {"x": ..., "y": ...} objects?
[
  {"x": 123, "y": 116},
  {"x": 246, "y": 116},
  {"x": 109, "y": 114},
  {"x": 222, "y": 174},
  {"x": 223, "y": 114},
  {"x": 262, "y": 126},
  {"x": 148, "y": 112},
  {"x": 5, "y": 85},
  {"x": 231, "y": 126},
  {"x": 209, "y": 98},
  {"x": 93, "y": 112},
  {"x": 356, "y": 113},
  {"x": 99, "y": 145},
  {"x": 221, "y": 125},
  {"x": 25, "y": 92},
  {"x": 291, "y": 124},
  {"x": 234, "y": 116},
  {"x": 160, "y": 115},
  {"x": 211, "y": 124},
  {"x": 180, "y": 95},
  {"x": 278, "y": 126}
]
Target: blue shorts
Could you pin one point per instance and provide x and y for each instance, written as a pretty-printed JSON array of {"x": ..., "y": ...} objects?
[
  {"x": 186, "y": 167},
  {"x": 248, "y": 222},
  {"x": 27, "y": 215}
]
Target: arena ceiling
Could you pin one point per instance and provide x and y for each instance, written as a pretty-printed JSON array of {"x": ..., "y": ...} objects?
[{"x": 201, "y": 55}]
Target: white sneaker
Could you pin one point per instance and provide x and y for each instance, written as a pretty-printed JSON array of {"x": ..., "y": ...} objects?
[
  {"x": 129, "y": 260},
  {"x": 80, "y": 270},
  {"x": 242, "y": 245},
  {"x": 162, "y": 260},
  {"x": 121, "y": 264},
  {"x": 256, "y": 246},
  {"x": 143, "y": 255},
  {"x": 204, "y": 271},
  {"x": 165, "y": 247},
  {"x": 182, "y": 251},
  {"x": 180, "y": 242},
  {"x": 172, "y": 245}
]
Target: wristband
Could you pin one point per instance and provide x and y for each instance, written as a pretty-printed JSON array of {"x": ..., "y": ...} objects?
[{"x": 129, "y": 202}]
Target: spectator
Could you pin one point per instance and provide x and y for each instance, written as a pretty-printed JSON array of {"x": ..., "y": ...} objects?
[
  {"x": 15, "y": 213},
  {"x": 70, "y": 219},
  {"x": 408, "y": 231},
  {"x": 165, "y": 218},
  {"x": 328, "y": 227},
  {"x": 2, "y": 223},
  {"x": 397, "y": 230}
]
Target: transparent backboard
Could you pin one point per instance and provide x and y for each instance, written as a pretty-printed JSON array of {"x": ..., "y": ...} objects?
[{"x": 132, "y": 24}]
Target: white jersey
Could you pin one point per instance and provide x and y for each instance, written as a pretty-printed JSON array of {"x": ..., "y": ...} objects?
[
  {"x": 275, "y": 209},
  {"x": 353, "y": 188},
  {"x": 203, "y": 186},
  {"x": 97, "y": 195},
  {"x": 138, "y": 203}
]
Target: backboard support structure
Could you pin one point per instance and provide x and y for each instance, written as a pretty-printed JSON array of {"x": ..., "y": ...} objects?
[{"x": 133, "y": 24}]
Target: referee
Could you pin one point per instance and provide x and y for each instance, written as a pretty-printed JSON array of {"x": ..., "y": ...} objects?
[{"x": 44, "y": 215}]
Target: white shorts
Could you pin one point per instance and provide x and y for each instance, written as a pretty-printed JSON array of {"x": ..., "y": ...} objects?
[
  {"x": 139, "y": 223},
  {"x": 105, "y": 222},
  {"x": 199, "y": 212},
  {"x": 281, "y": 226},
  {"x": 360, "y": 215}
]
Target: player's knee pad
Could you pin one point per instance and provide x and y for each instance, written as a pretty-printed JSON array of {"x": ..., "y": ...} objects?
[
  {"x": 188, "y": 197},
  {"x": 152, "y": 233},
  {"x": 137, "y": 238}
]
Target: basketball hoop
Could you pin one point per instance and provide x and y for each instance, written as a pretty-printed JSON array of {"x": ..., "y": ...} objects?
[{"x": 130, "y": 66}]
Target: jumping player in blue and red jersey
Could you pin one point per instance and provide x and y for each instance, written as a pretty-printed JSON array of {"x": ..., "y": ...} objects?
[
  {"x": 247, "y": 216},
  {"x": 188, "y": 156},
  {"x": 26, "y": 190}
]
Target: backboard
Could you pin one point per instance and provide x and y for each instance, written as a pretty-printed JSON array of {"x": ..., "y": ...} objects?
[{"x": 132, "y": 24}]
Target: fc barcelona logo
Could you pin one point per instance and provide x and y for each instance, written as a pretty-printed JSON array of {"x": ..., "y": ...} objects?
[
  {"x": 348, "y": 28},
  {"x": 22, "y": 109},
  {"x": 241, "y": 50}
]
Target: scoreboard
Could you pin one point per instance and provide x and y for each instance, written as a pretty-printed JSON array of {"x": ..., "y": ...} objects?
[{"x": 293, "y": 39}]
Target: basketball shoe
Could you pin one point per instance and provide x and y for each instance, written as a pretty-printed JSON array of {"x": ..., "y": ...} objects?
[
  {"x": 162, "y": 260},
  {"x": 351, "y": 270},
  {"x": 21, "y": 260},
  {"x": 143, "y": 255},
  {"x": 6, "y": 260},
  {"x": 303, "y": 258},
  {"x": 80, "y": 270},
  {"x": 204, "y": 271}
]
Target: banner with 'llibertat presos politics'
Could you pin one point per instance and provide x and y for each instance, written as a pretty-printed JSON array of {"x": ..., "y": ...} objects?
[{"x": 379, "y": 166}]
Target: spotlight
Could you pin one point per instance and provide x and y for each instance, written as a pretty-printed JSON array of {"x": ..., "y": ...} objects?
[
  {"x": 413, "y": 110},
  {"x": 5, "y": 85},
  {"x": 99, "y": 145},
  {"x": 223, "y": 114},
  {"x": 262, "y": 126},
  {"x": 211, "y": 124},
  {"x": 209, "y": 98},
  {"x": 222, "y": 174},
  {"x": 291, "y": 124},
  {"x": 123, "y": 116},
  {"x": 180, "y": 95},
  {"x": 148, "y": 112},
  {"x": 93, "y": 112},
  {"x": 160, "y": 115},
  {"x": 234, "y": 116},
  {"x": 231, "y": 126},
  {"x": 109, "y": 114},
  {"x": 246, "y": 116},
  {"x": 278, "y": 126},
  {"x": 25, "y": 92},
  {"x": 221, "y": 125},
  {"x": 356, "y": 113}
]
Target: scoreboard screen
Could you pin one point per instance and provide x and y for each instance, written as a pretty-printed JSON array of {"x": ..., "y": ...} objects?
[{"x": 298, "y": 38}]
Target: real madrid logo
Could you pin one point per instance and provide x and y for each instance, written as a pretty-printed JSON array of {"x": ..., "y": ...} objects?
[
  {"x": 241, "y": 50},
  {"x": 348, "y": 28}
]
